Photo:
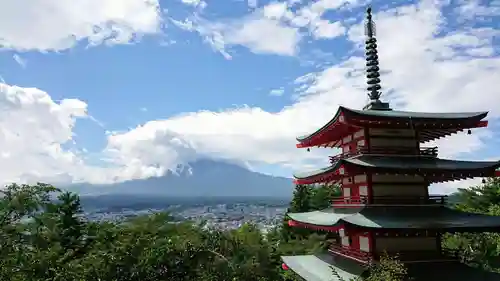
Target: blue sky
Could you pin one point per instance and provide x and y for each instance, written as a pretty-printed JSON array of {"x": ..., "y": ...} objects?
[{"x": 105, "y": 90}]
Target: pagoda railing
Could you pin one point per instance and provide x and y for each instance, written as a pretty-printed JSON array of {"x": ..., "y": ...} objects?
[
  {"x": 409, "y": 151},
  {"x": 350, "y": 253},
  {"x": 355, "y": 201}
]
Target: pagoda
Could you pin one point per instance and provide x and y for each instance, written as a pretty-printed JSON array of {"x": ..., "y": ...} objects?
[{"x": 384, "y": 174}]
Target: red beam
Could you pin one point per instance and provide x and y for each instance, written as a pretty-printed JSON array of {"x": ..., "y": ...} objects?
[
  {"x": 497, "y": 173},
  {"x": 334, "y": 132},
  {"x": 482, "y": 124},
  {"x": 294, "y": 223}
]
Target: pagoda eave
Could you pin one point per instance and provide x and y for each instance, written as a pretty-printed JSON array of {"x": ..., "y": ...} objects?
[
  {"x": 430, "y": 125},
  {"x": 399, "y": 218},
  {"x": 332, "y": 228},
  {"x": 330, "y": 136},
  {"x": 319, "y": 267},
  {"x": 433, "y": 169}
]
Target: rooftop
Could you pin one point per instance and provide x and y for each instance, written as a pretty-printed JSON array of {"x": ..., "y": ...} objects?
[
  {"x": 320, "y": 268},
  {"x": 408, "y": 217},
  {"x": 432, "y": 125},
  {"x": 410, "y": 164}
]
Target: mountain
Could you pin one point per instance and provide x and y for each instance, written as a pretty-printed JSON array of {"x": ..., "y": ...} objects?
[{"x": 203, "y": 178}]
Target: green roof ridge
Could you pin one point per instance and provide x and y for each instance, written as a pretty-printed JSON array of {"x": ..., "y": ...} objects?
[{"x": 399, "y": 217}]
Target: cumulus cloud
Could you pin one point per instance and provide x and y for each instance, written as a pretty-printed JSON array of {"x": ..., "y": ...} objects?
[
  {"x": 37, "y": 133},
  {"x": 259, "y": 34},
  {"x": 426, "y": 67},
  {"x": 273, "y": 29},
  {"x": 53, "y": 25},
  {"x": 33, "y": 130}
]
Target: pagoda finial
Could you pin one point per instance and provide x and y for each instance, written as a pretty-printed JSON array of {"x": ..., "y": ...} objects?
[{"x": 372, "y": 69}]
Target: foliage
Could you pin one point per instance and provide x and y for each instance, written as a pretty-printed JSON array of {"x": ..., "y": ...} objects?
[
  {"x": 305, "y": 199},
  {"x": 478, "y": 249},
  {"x": 480, "y": 198},
  {"x": 47, "y": 238},
  {"x": 322, "y": 195},
  {"x": 386, "y": 269}
]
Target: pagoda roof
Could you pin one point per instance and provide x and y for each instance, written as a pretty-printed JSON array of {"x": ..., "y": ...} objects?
[
  {"x": 410, "y": 217},
  {"x": 320, "y": 268},
  {"x": 399, "y": 164},
  {"x": 435, "y": 125},
  {"x": 419, "y": 115}
]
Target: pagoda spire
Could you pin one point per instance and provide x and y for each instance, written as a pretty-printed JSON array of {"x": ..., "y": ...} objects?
[{"x": 372, "y": 68}]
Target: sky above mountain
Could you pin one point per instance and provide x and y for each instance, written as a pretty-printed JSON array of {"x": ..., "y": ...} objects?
[{"x": 103, "y": 91}]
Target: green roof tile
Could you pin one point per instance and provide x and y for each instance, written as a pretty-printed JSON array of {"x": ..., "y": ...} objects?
[
  {"x": 420, "y": 115},
  {"x": 410, "y": 217},
  {"x": 320, "y": 267},
  {"x": 303, "y": 175},
  {"x": 327, "y": 217},
  {"x": 425, "y": 163},
  {"x": 402, "y": 163}
]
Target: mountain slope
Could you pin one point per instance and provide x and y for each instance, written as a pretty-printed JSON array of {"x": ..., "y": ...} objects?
[{"x": 204, "y": 178}]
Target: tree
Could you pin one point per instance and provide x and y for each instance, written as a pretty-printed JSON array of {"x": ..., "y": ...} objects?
[
  {"x": 480, "y": 198},
  {"x": 478, "y": 249},
  {"x": 301, "y": 202},
  {"x": 321, "y": 196},
  {"x": 386, "y": 269}
]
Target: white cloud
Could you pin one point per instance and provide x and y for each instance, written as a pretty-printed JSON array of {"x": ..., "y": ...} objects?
[
  {"x": 33, "y": 131},
  {"x": 259, "y": 34},
  {"x": 327, "y": 29},
  {"x": 422, "y": 72},
  {"x": 52, "y": 25},
  {"x": 273, "y": 29},
  {"x": 36, "y": 131},
  {"x": 196, "y": 3},
  {"x": 263, "y": 35}
]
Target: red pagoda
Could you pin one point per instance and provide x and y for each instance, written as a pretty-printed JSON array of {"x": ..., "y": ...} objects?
[{"x": 384, "y": 174}]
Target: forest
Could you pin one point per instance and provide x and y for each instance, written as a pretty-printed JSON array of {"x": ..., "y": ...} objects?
[{"x": 46, "y": 239}]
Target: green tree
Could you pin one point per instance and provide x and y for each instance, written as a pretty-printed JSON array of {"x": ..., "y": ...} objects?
[
  {"x": 301, "y": 202},
  {"x": 478, "y": 249},
  {"x": 481, "y": 197},
  {"x": 321, "y": 196},
  {"x": 386, "y": 269}
]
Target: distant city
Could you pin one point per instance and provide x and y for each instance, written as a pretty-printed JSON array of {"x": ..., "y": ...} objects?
[{"x": 223, "y": 213}]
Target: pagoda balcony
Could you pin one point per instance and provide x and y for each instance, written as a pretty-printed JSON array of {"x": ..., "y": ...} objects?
[
  {"x": 407, "y": 256},
  {"x": 400, "y": 151},
  {"x": 351, "y": 253},
  {"x": 361, "y": 201}
]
